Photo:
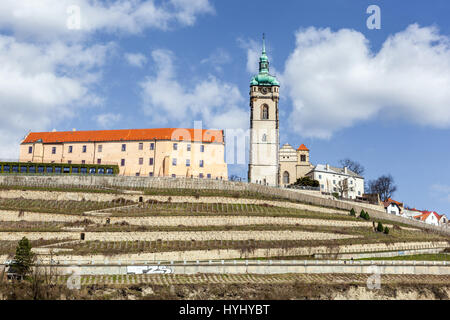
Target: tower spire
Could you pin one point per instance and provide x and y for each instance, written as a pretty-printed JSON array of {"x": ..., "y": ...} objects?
[{"x": 264, "y": 43}]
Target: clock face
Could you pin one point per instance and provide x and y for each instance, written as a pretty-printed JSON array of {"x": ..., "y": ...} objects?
[{"x": 264, "y": 90}]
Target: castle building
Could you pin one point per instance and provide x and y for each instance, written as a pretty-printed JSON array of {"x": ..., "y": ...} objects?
[
  {"x": 168, "y": 152},
  {"x": 263, "y": 165},
  {"x": 342, "y": 181},
  {"x": 294, "y": 164}
]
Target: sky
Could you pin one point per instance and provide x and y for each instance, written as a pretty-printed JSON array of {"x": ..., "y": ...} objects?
[{"x": 378, "y": 96}]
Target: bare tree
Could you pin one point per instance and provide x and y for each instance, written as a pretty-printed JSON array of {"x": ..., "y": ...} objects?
[
  {"x": 354, "y": 166},
  {"x": 342, "y": 188},
  {"x": 384, "y": 186}
]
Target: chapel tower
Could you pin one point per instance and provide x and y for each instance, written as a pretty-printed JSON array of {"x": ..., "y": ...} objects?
[{"x": 264, "y": 125}]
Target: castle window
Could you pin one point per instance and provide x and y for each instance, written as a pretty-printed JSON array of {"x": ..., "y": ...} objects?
[
  {"x": 122, "y": 162},
  {"x": 150, "y": 161},
  {"x": 30, "y": 149},
  {"x": 175, "y": 146},
  {"x": 202, "y": 148},
  {"x": 152, "y": 146},
  {"x": 189, "y": 147},
  {"x": 265, "y": 112},
  {"x": 201, "y": 163},
  {"x": 53, "y": 150},
  {"x": 100, "y": 148},
  {"x": 124, "y": 147},
  {"x": 286, "y": 177},
  {"x": 141, "y": 161},
  {"x": 141, "y": 146},
  {"x": 84, "y": 149},
  {"x": 70, "y": 149},
  {"x": 264, "y": 137},
  {"x": 188, "y": 162},
  {"x": 174, "y": 161},
  {"x": 303, "y": 158}
]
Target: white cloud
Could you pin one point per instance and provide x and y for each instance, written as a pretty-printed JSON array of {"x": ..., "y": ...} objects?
[
  {"x": 218, "y": 58},
  {"x": 136, "y": 59},
  {"x": 48, "y": 19},
  {"x": 47, "y": 70},
  {"x": 214, "y": 102},
  {"x": 43, "y": 84},
  {"x": 253, "y": 50},
  {"x": 335, "y": 81},
  {"x": 107, "y": 120},
  {"x": 442, "y": 191}
]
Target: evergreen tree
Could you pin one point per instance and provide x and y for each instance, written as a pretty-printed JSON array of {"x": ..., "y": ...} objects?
[
  {"x": 353, "y": 213},
  {"x": 380, "y": 227},
  {"x": 386, "y": 230},
  {"x": 362, "y": 214},
  {"x": 24, "y": 258}
]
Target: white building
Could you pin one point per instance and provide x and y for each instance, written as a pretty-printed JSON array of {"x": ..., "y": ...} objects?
[
  {"x": 393, "y": 207},
  {"x": 338, "y": 180},
  {"x": 433, "y": 218}
]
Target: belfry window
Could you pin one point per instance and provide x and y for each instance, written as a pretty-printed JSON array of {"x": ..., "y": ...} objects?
[{"x": 265, "y": 112}]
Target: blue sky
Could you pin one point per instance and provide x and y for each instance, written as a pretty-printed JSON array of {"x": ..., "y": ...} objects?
[{"x": 347, "y": 91}]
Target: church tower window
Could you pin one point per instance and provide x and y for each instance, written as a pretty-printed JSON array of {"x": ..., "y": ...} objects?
[{"x": 265, "y": 112}]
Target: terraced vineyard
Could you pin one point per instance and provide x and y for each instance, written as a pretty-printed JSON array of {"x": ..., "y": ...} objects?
[
  {"x": 185, "y": 223},
  {"x": 68, "y": 225}
]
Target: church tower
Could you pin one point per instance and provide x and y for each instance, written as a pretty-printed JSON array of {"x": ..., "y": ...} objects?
[{"x": 263, "y": 165}]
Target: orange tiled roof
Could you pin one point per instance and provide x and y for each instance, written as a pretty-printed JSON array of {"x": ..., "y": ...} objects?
[
  {"x": 389, "y": 201},
  {"x": 425, "y": 214},
  {"x": 126, "y": 135},
  {"x": 302, "y": 148}
]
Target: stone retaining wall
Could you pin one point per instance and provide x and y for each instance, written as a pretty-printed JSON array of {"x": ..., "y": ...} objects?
[
  {"x": 177, "y": 235},
  {"x": 219, "y": 254},
  {"x": 181, "y": 220},
  {"x": 106, "y": 197},
  {"x": 173, "y": 183}
]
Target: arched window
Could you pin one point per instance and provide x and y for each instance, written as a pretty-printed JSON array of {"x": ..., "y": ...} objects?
[
  {"x": 286, "y": 177},
  {"x": 265, "y": 112}
]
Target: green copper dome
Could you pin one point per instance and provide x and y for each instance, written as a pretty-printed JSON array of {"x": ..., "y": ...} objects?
[{"x": 263, "y": 78}]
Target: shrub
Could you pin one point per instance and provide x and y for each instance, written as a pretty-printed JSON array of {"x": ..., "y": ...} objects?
[
  {"x": 353, "y": 212},
  {"x": 336, "y": 195},
  {"x": 386, "y": 230},
  {"x": 364, "y": 215},
  {"x": 380, "y": 227},
  {"x": 306, "y": 182}
]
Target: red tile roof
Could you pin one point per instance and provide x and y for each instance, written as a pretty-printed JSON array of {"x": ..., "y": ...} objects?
[
  {"x": 425, "y": 215},
  {"x": 389, "y": 201},
  {"x": 302, "y": 148},
  {"x": 126, "y": 135}
]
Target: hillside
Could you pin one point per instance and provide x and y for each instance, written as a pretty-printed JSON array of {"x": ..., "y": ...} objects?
[{"x": 127, "y": 226}]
